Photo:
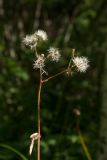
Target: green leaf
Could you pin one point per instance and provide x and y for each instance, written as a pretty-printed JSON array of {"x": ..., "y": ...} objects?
[{"x": 13, "y": 150}]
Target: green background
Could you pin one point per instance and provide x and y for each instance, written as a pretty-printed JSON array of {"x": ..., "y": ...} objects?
[{"x": 69, "y": 24}]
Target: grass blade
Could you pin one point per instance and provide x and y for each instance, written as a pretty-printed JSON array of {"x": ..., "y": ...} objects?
[{"x": 13, "y": 150}]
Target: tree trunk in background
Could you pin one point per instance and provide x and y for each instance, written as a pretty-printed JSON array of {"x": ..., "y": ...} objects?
[{"x": 102, "y": 155}]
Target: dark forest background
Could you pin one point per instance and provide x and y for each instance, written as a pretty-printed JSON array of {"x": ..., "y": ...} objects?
[{"x": 79, "y": 24}]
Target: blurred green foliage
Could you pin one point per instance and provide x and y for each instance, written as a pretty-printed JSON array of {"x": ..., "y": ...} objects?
[{"x": 69, "y": 24}]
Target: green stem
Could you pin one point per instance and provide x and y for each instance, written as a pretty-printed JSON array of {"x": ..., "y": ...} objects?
[
  {"x": 73, "y": 51},
  {"x": 84, "y": 145}
]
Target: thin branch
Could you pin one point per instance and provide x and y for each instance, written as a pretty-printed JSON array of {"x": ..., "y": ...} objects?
[
  {"x": 73, "y": 51},
  {"x": 36, "y": 54},
  {"x": 45, "y": 80}
]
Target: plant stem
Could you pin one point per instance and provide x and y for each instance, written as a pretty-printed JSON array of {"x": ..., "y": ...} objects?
[
  {"x": 39, "y": 93},
  {"x": 45, "y": 80},
  {"x": 73, "y": 51},
  {"x": 84, "y": 145},
  {"x": 36, "y": 53}
]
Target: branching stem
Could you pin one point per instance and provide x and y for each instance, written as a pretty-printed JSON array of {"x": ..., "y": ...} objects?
[{"x": 45, "y": 80}]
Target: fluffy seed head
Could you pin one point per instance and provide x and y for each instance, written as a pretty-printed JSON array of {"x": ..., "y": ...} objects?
[
  {"x": 81, "y": 63},
  {"x": 41, "y": 34},
  {"x": 30, "y": 40},
  {"x": 39, "y": 63},
  {"x": 54, "y": 54}
]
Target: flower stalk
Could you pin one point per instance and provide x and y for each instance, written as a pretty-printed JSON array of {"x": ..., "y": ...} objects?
[
  {"x": 75, "y": 62},
  {"x": 39, "y": 98}
]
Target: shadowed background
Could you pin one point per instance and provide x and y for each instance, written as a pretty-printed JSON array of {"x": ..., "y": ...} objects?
[{"x": 69, "y": 24}]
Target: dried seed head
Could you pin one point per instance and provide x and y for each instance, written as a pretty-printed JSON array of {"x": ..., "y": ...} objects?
[
  {"x": 41, "y": 34},
  {"x": 39, "y": 63},
  {"x": 30, "y": 40},
  {"x": 81, "y": 63},
  {"x": 54, "y": 54}
]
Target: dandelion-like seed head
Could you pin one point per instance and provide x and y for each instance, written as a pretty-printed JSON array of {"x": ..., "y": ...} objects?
[
  {"x": 39, "y": 63},
  {"x": 30, "y": 40},
  {"x": 81, "y": 63},
  {"x": 41, "y": 35},
  {"x": 54, "y": 54}
]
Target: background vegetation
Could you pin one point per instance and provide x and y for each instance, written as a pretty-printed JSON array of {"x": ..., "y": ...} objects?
[{"x": 70, "y": 24}]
